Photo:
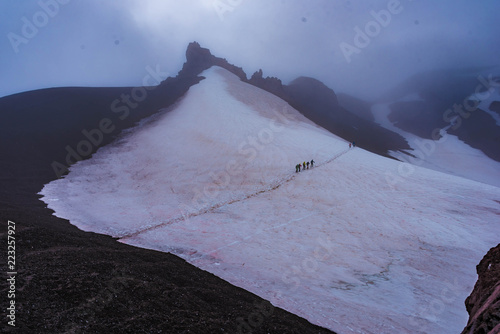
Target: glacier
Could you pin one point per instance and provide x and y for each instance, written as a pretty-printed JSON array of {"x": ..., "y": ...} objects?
[{"x": 212, "y": 180}]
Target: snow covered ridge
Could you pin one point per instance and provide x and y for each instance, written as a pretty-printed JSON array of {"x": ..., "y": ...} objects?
[
  {"x": 213, "y": 181},
  {"x": 446, "y": 152}
]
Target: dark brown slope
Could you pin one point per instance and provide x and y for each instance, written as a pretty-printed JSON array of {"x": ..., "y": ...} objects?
[
  {"x": 495, "y": 106},
  {"x": 71, "y": 281},
  {"x": 443, "y": 99},
  {"x": 319, "y": 103},
  {"x": 480, "y": 131},
  {"x": 356, "y": 106},
  {"x": 313, "y": 99},
  {"x": 483, "y": 304}
]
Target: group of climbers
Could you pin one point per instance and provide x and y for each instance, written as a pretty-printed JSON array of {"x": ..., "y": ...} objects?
[{"x": 304, "y": 166}]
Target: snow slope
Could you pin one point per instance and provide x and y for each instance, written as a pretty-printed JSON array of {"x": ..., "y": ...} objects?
[
  {"x": 448, "y": 154},
  {"x": 488, "y": 97},
  {"x": 340, "y": 244}
]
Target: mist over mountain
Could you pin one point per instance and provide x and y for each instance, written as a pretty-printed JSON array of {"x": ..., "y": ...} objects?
[
  {"x": 417, "y": 106},
  {"x": 451, "y": 85},
  {"x": 320, "y": 104},
  {"x": 310, "y": 96},
  {"x": 459, "y": 100},
  {"x": 212, "y": 181},
  {"x": 54, "y": 129},
  {"x": 356, "y": 105},
  {"x": 151, "y": 182},
  {"x": 482, "y": 304}
]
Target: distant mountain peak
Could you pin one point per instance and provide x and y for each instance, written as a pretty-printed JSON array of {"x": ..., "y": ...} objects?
[
  {"x": 315, "y": 89},
  {"x": 195, "y": 53},
  {"x": 309, "y": 96},
  {"x": 199, "y": 59}
]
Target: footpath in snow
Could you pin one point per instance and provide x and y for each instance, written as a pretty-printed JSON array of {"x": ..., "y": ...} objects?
[
  {"x": 187, "y": 215},
  {"x": 213, "y": 181},
  {"x": 448, "y": 154}
]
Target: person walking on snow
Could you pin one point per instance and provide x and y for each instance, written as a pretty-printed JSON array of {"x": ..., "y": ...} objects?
[
  {"x": 298, "y": 167},
  {"x": 349, "y": 145},
  {"x": 353, "y": 144},
  {"x": 312, "y": 163},
  {"x": 307, "y": 163},
  {"x": 304, "y": 165}
]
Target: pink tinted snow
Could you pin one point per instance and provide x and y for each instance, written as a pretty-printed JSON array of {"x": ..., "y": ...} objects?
[{"x": 213, "y": 181}]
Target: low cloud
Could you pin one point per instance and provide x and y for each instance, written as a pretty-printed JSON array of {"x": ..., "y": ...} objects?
[{"x": 100, "y": 43}]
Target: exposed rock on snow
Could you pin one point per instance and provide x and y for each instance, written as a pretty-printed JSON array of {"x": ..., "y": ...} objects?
[
  {"x": 213, "y": 181},
  {"x": 483, "y": 304}
]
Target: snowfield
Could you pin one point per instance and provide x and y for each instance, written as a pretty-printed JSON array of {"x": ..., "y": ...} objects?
[
  {"x": 448, "y": 154},
  {"x": 341, "y": 244}
]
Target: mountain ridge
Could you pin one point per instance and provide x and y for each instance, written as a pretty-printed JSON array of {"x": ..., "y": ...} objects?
[
  {"x": 458, "y": 100},
  {"x": 38, "y": 151},
  {"x": 212, "y": 181},
  {"x": 322, "y": 108},
  {"x": 74, "y": 281}
]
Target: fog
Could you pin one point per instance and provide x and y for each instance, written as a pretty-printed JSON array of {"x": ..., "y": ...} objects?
[{"x": 358, "y": 47}]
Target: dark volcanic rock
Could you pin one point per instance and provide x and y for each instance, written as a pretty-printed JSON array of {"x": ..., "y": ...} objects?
[
  {"x": 315, "y": 92},
  {"x": 356, "y": 106},
  {"x": 60, "y": 117},
  {"x": 495, "y": 106},
  {"x": 480, "y": 131},
  {"x": 271, "y": 84},
  {"x": 70, "y": 281},
  {"x": 199, "y": 59},
  {"x": 320, "y": 104},
  {"x": 311, "y": 97},
  {"x": 483, "y": 304},
  {"x": 443, "y": 96},
  {"x": 417, "y": 117}
]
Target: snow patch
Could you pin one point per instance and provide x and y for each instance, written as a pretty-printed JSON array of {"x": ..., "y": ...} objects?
[
  {"x": 448, "y": 154},
  {"x": 492, "y": 95},
  {"x": 213, "y": 181}
]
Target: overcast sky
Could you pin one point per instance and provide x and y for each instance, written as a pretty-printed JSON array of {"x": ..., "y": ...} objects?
[{"x": 52, "y": 43}]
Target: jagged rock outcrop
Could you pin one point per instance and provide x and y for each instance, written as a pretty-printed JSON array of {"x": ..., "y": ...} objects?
[
  {"x": 439, "y": 98},
  {"x": 271, "y": 84},
  {"x": 483, "y": 304},
  {"x": 320, "y": 104},
  {"x": 495, "y": 106},
  {"x": 311, "y": 97},
  {"x": 199, "y": 59},
  {"x": 76, "y": 281},
  {"x": 312, "y": 91},
  {"x": 356, "y": 106}
]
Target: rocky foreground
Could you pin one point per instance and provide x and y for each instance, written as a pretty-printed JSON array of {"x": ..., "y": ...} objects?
[{"x": 483, "y": 304}]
